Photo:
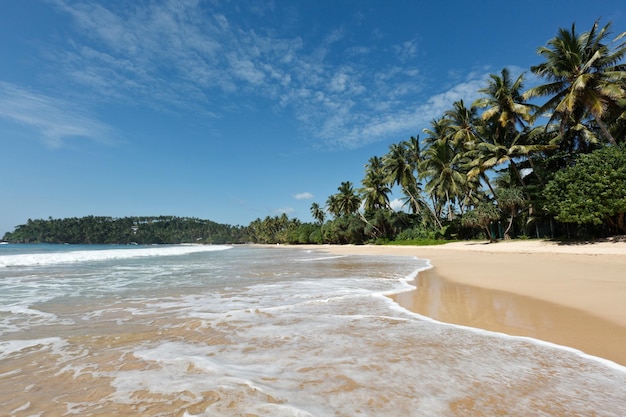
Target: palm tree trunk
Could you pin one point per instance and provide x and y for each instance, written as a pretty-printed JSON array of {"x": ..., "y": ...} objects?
[
  {"x": 507, "y": 235},
  {"x": 605, "y": 130},
  {"x": 519, "y": 174},
  {"x": 377, "y": 230},
  {"x": 486, "y": 179}
]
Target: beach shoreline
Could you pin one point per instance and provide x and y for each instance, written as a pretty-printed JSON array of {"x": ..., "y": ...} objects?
[{"x": 571, "y": 295}]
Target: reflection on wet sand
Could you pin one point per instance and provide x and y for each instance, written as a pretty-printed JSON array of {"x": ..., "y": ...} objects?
[{"x": 509, "y": 313}]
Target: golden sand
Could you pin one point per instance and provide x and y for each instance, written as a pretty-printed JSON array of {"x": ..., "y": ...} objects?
[{"x": 572, "y": 295}]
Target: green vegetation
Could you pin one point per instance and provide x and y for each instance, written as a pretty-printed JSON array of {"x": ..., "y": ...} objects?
[
  {"x": 505, "y": 166},
  {"x": 140, "y": 230},
  {"x": 593, "y": 191}
]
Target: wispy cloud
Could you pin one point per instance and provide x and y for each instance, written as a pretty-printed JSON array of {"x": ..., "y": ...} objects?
[
  {"x": 188, "y": 54},
  {"x": 303, "y": 196},
  {"x": 55, "y": 120}
]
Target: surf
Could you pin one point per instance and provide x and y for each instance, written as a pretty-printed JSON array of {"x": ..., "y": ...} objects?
[{"x": 76, "y": 256}]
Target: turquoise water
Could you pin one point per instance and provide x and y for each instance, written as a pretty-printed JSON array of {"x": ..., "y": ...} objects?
[{"x": 261, "y": 331}]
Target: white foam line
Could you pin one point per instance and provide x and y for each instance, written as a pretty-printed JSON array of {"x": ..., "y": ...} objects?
[
  {"x": 12, "y": 346},
  {"x": 102, "y": 255},
  {"x": 607, "y": 362}
]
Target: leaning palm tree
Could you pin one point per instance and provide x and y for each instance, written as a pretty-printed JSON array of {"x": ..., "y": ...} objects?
[{"x": 585, "y": 79}]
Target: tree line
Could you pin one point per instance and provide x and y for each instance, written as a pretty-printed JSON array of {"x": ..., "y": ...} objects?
[
  {"x": 507, "y": 165},
  {"x": 127, "y": 230}
]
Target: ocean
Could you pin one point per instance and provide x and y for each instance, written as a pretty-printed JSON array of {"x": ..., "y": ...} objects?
[{"x": 262, "y": 331}]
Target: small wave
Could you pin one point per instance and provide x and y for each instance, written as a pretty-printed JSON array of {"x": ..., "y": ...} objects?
[
  {"x": 33, "y": 259},
  {"x": 321, "y": 258}
]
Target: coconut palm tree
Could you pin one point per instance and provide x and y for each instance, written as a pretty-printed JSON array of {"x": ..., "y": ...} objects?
[
  {"x": 413, "y": 153},
  {"x": 504, "y": 102},
  {"x": 585, "y": 79},
  {"x": 375, "y": 191},
  {"x": 318, "y": 213},
  {"x": 396, "y": 164},
  {"x": 347, "y": 201},
  {"x": 439, "y": 131},
  {"x": 462, "y": 124},
  {"x": 445, "y": 179},
  {"x": 463, "y": 129},
  {"x": 504, "y": 125},
  {"x": 400, "y": 167},
  {"x": 332, "y": 205}
]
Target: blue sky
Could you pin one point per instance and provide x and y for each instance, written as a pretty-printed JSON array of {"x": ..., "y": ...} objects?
[{"x": 237, "y": 110}]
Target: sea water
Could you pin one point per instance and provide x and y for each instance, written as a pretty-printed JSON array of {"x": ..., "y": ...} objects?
[{"x": 261, "y": 331}]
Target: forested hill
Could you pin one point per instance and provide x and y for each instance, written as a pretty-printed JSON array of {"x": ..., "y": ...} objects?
[{"x": 140, "y": 230}]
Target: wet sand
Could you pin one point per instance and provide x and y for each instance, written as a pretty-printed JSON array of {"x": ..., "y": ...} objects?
[{"x": 571, "y": 295}]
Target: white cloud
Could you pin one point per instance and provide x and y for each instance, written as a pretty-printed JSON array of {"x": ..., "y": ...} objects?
[
  {"x": 396, "y": 204},
  {"x": 55, "y": 120},
  {"x": 303, "y": 196}
]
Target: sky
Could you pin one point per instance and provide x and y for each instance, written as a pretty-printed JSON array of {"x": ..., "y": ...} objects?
[{"x": 236, "y": 110}]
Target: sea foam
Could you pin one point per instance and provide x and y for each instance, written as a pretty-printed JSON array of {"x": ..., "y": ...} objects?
[{"x": 52, "y": 258}]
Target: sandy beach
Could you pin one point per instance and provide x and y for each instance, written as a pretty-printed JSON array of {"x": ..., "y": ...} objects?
[{"x": 569, "y": 294}]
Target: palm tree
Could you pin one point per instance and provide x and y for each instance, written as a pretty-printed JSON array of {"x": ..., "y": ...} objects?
[
  {"x": 585, "y": 79},
  {"x": 494, "y": 150},
  {"x": 318, "y": 213},
  {"x": 375, "y": 191},
  {"x": 463, "y": 132},
  {"x": 332, "y": 205},
  {"x": 505, "y": 102},
  {"x": 400, "y": 167},
  {"x": 396, "y": 164},
  {"x": 504, "y": 130},
  {"x": 413, "y": 154},
  {"x": 446, "y": 180},
  {"x": 462, "y": 124},
  {"x": 439, "y": 131},
  {"x": 346, "y": 201}
]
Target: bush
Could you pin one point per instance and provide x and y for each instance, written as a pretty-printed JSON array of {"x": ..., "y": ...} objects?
[{"x": 593, "y": 191}]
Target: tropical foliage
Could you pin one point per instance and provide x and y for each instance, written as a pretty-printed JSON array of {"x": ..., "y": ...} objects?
[{"x": 530, "y": 150}]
